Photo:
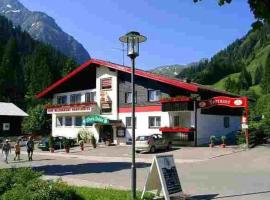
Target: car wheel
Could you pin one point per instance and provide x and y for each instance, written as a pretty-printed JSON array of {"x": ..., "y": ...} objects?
[{"x": 153, "y": 149}]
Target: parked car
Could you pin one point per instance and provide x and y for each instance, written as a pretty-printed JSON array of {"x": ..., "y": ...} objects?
[
  {"x": 58, "y": 143},
  {"x": 151, "y": 143}
]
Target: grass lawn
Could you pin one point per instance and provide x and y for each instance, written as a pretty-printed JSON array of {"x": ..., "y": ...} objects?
[{"x": 106, "y": 194}]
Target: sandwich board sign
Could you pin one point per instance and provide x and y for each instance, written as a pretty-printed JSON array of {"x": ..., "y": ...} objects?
[{"x": 163, "y": 177}]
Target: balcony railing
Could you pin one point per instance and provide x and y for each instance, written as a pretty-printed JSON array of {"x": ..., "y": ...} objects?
[
  {"x": 176, "y": 130},
  {"x": 176, "y": 99},
  {"x": 80, "y": 107}
]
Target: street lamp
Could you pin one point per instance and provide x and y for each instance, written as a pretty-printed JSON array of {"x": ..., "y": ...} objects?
[{"x": 133, "y": 39}]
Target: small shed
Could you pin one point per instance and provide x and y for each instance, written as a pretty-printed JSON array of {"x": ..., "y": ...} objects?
[{"x": 10, "y": 119}]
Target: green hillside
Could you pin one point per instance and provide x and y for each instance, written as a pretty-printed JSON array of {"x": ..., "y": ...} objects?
[{"x": 239, "y": 68}]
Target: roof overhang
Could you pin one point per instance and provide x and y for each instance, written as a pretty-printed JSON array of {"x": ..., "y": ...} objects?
[{"x": 163, "y": 79}]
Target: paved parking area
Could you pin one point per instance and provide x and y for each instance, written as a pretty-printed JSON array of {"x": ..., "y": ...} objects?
[{"x": 228, "y": 174}]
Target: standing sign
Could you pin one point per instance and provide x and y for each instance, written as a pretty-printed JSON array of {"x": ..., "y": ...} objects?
[{"x": 163, "y": 177}]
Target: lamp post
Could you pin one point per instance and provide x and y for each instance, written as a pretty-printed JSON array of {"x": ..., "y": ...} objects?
[{"x": 132, "y": 39}]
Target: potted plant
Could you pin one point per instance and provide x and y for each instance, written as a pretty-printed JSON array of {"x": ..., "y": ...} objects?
[
  {"x": 51, "y": 144},
  {"x": 66, "y": 144},
  {"x": 212, "y": 141},
  {"x": 81, "y": 143},
  {"x": 93, "y": 141},
  {"x": 223, "y": 138}
]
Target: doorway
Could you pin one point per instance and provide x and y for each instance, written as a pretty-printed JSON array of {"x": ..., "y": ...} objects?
[{"x": 105, "y": 133}]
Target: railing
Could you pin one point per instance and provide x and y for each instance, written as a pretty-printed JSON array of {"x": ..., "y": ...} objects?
[
  {"x": 176, "y": 99},
  {"x": 176, "y": 129}
]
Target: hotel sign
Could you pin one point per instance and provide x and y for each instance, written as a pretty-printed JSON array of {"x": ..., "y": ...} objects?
[
  {"x": 96, "y": 119},
  {"x": 62, "y": 109},
  {"x": 240, "y": 102}
]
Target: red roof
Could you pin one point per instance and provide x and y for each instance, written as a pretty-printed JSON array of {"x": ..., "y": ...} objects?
[{"x": 191, "y": 87}]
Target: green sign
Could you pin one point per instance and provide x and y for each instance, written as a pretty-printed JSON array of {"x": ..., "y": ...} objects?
[{"x": 95, "y": 119}]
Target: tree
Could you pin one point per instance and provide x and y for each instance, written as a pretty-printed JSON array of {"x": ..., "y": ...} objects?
[
  {"x": 37, "y": 122},
  {"x": 258, "y": 75},
  {"x": 70, "y": 65},
  {"x": 11, "y": 76},
  {"x": 260, "y": 9},
  {"x": 245, "y": 79},
  {"x": 265, "y": 83}
]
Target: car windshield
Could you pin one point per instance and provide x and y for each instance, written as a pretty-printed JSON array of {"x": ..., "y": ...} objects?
[{"x": 142, "y": 138}]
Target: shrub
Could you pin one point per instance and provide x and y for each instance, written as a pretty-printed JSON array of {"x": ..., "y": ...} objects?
[
  {"x": 84, "y": 134},
  {"x": 212, "y": 139},
  {"x": 42, "y": 190},
  {"x": 11, "y": 177}
]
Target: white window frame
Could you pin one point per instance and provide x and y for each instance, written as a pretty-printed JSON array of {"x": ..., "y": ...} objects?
[
  {"x": 157, "y": 95},
  {"x": 61, "y": 123},
  {"x": 77, "y": 100},
  {"x": 92, "y": 97},
  {"x": 130, "y": 125},
  {"x": 66, "y": 121},
  {"x": 157, "y": 121}
]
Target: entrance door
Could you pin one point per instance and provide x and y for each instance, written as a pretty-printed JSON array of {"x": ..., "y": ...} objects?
[{"x": 106, "y": 133}]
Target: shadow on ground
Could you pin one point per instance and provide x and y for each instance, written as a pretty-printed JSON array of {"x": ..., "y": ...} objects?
[
  {"x": 61, "y": 170},
  {"x": 244, "y": 194},
  {"x": 203, "y": 197}
]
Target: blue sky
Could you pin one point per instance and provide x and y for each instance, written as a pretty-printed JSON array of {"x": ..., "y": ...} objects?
[{"x": 178, "y": 31}]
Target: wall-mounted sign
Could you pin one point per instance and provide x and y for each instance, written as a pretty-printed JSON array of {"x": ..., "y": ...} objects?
[
  {"x": 240, "y": 102},
  {"x": 6, "y": 126},
  {"x": 163, "y": 177},
  {"x": 69, "y": 109},
  {"x": 95, "y": 119}
]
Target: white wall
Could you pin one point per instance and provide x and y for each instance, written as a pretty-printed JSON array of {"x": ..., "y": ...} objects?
[
  {"x": 71, "y": 131},
  {"x": 214, "y": 125},
  {"x": 142, "y": 122}
]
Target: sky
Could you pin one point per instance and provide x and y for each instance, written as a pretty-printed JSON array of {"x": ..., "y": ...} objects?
[{"x": 177, "y": 31}]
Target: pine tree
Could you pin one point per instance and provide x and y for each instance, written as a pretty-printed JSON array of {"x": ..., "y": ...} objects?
[
  {"x": 11, "y": 76},
  {"x": 265, "y": 84},
  {"x": 258, "y": 75},
  {"x": 68, "y": 67},
  {"x": 245, "y": 79}
]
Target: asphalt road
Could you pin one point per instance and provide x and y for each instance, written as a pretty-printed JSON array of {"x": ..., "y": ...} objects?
[{"x": 237, "y": 175}]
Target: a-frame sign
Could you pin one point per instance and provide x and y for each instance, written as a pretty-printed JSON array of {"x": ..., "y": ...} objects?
[{"x": 163, "y": 178}]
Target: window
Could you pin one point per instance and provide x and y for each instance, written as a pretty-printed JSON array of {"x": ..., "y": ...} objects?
[
  {"x": 128, "y": 122},
  {"x": 61, "y": 99},
  {"x": 59, "y": 121},
  {"x": 176, "y": 121},
  {"x": 68, "y": 121},
  {"x": 90, "y": 97},
  {"x": 154, "y": 122},
  {"x": 128, "y": 97},
  {"x": 106, "y": 83},
  {"x": 75, "y": 98},
  {"x": 6, "y": 126},
  {"x": 153, "y": 95},
  {"x": 226, "y": 122},
  {"x": 78, "y": 121}
]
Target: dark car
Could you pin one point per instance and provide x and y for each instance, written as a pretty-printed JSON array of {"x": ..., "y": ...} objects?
[{"x": 58, "y": 143}]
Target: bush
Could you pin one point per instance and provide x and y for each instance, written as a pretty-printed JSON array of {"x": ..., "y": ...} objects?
[
  {"x": 11, "y": 177},
  {"x": 41, "y": 190},
  {"x": 25, "y": 184}
]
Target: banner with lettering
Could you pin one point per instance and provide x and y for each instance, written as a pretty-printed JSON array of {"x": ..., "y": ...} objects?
[{"x": 239, "y": 102}]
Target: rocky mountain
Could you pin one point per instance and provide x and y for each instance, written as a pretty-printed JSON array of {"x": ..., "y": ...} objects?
[
  {"x": 43, "y": 28},
  {"x": 169, "y": 70}
]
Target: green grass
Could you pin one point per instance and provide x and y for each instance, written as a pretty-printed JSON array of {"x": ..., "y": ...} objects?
[{"x": 106, "y": 194}]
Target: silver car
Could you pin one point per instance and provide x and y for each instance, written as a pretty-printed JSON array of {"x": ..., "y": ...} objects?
[{"x": 151, "y": 143}]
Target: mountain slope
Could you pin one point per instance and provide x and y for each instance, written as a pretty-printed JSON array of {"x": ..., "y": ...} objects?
[
  {"x": 43, "y": 28},
  {"x": 169, "y": 70}
]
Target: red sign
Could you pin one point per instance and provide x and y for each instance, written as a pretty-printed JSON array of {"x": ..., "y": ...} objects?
[{"x": 240, "y": 102}]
